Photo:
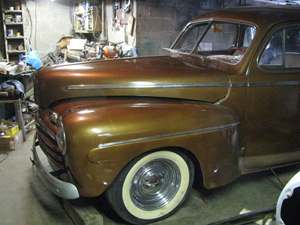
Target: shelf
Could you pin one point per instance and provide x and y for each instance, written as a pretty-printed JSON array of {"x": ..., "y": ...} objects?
[
  {"x": 12, "y": 37},
  {"x": 13, "y": 11},
  {"x": 16, "y": 51},
  {"x": 14, "y": 24},
  {"x": 83, "y": 31},
  {"x": 15, "y": 37}
]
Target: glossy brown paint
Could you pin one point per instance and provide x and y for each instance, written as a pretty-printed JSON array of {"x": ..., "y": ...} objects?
[
  {"x": 116, "y": 75},
  {"x": 116, "y": 120},
  {"x": 231, "y": 119}
]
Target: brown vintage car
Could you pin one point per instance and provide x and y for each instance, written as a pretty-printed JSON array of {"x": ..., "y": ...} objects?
[{"x": 224, "y": 102}]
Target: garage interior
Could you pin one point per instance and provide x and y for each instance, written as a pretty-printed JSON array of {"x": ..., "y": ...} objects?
[{"x": 43, "y": 33}]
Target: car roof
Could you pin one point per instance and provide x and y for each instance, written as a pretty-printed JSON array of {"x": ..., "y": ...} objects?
[{"x": 259, "y": 16}]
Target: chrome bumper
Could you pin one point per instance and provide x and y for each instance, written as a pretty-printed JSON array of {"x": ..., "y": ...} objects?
[{"x": 60, "y": 188}]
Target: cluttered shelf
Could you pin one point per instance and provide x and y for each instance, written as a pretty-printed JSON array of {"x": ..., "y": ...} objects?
[
  {"x": 14, "y": 43},
  {"x": 16, "y": 75},
  {"x": 16, "y": 87}
]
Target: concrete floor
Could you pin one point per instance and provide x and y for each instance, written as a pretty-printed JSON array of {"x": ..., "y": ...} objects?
[
  {"x": 24, "y": 201},
  {"x": 249, "y": 193}
]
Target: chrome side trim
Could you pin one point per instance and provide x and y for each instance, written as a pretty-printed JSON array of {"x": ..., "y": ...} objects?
[
  {"x": 168, "y": 135},
  {"x": 150, "y": 85},
  {"x": 60, "y": 188},
  {"x": 275, "y": 83},
  {"x": 266, "y": 83},
  {"x": 142, "y": 85}
]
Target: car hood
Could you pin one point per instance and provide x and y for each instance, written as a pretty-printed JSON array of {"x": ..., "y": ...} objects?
[{"x": 160, "y": 76}]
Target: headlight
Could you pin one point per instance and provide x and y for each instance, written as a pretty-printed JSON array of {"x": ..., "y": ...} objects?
[{"x": 61, "y": 136}]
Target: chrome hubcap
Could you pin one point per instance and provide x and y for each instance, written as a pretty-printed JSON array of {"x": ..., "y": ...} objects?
[{"x": 155, "y": 184}]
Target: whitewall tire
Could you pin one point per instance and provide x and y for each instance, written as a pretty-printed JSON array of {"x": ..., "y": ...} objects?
[{"x": 151, "y": 187}]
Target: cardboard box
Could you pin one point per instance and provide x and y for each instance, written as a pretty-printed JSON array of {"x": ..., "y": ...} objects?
[
  {"x": 8, "y": 128},
  {"x": 8, "y": 143}
]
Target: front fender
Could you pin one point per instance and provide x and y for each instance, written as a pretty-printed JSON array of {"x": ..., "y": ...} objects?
[{"x": 104, "y": 135}]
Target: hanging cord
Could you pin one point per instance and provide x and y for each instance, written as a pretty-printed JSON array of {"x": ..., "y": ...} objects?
[
  {"x": 280, "y": 183},
  {"x": 71, "y": 13},
  {"x": 95, "y": 25},
  {"x": 35, "y": 24},
  {"x": 30, "y": 25}
]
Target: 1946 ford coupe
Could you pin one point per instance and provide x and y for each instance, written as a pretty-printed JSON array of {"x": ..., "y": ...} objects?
[{"x": 224, "y": 102}]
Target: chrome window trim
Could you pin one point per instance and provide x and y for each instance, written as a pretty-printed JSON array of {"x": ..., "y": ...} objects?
[{"x": 210, "y": 21}]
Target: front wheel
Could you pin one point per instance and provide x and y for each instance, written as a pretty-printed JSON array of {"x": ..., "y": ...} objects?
[{"x": 151, "y": 187}]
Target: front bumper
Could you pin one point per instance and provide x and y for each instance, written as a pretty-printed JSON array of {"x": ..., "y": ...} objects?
[{"x": 60, "y": 188}]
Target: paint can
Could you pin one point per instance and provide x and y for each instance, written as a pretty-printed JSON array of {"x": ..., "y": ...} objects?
[
  {"x": 18, "y": 18},
  {"x": 10, "y": 32},
  {"x": 18, "y": 6}
]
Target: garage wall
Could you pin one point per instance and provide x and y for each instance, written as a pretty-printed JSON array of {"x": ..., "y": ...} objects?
[
  {"x": 119, "y": 35},
  {"x": 160, "y": 21},
  {"x": 47, "y": 25}
]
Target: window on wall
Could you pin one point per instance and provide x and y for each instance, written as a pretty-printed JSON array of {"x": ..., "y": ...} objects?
[{"x": 283, "y": 49}]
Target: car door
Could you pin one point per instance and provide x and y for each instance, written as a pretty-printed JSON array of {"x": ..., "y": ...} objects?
[{"x": 273, "y": 101}]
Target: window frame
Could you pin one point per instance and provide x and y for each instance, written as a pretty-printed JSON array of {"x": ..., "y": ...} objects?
[
  {"x": 187, "y": 28},
  {"x": 209, "y": 23},
  {"x": 267, "y": 39},
  {"x": 236, "y": 38}
]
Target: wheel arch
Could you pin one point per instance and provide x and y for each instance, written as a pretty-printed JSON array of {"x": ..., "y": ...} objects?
[
  {"x": 176, "y": 149},
  {"x": 192, "y": 157},
  {"x": 114, "y": 189}
]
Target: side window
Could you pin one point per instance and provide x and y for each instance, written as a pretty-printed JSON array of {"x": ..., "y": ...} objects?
[
  {"x": 249, "y": 34},
  {"x": 273, "y": 53},
  {"x": 283, "y": 49},
  {"x": 189, "y": 39},
  {"x": 292, "y": 48},
  {"x": 220, "y": 37}
]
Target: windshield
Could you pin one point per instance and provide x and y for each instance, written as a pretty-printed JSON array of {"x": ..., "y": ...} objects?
[{"x": 224, "y": 41}]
